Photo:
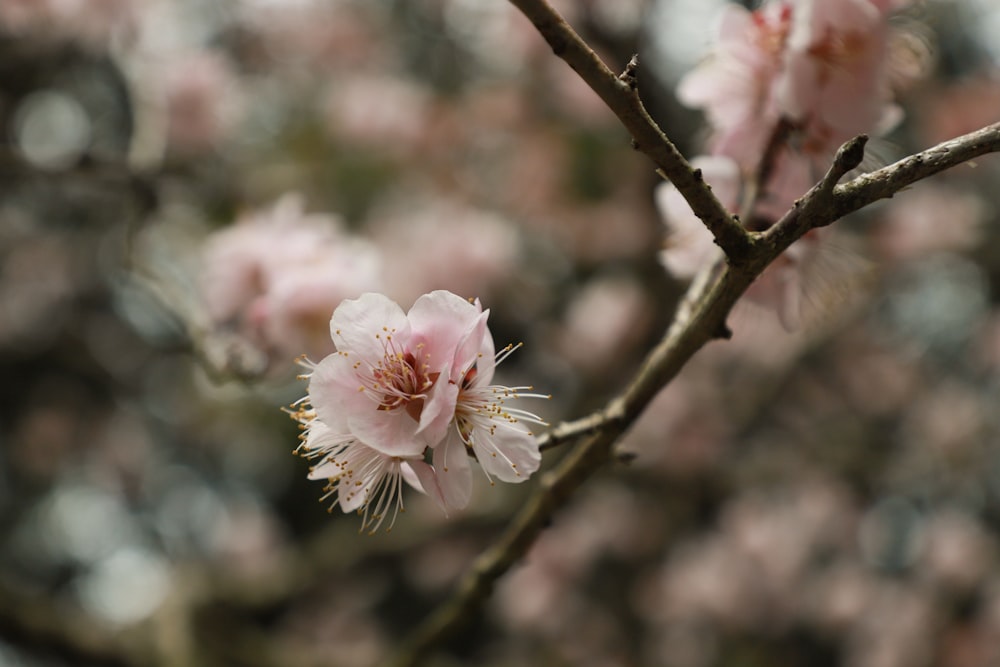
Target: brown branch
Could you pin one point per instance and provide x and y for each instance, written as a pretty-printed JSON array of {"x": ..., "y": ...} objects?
[
  {"x": 701, "y": 319},
  {"x": 622, "y": 97},
  {"x": 887, "y": 181}
]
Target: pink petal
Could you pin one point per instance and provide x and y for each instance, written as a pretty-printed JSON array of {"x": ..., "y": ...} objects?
[{"x": 360, "y": 326}]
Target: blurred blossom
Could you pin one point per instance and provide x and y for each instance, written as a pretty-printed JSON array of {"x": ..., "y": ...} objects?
[
  {"x": 202, "y": 101},
  {"x": 84, "y": 523},
  {"x": 947, "y": 421},
  {"x": 473, "y": 251},
  {"x": 680, "y": 432},
  {"x": 744, "y": 576},
  {"x": 956, "y": 551},
  {"x": 381, "y": 112},
  {"x": 247, "y": 538},
  {"x": 929, "y": 219},
  {"x": 127, "y": 586},
  {"x": 277, "y": 275},
  {"x": 837, "y": 597},
  {"x": 39, "y": 276},
  {"x": 604, "y": 322},
  {"x": 956, "y": 108},
  {"x": 896, "y": 630},
  {"x": 316, "y": 33},
  {"x": 91, "y": 23},
  {"x": 820, "y": 66},
  {"x": 494, "y": 33}
]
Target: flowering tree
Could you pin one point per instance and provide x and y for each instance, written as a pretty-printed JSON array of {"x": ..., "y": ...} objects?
[{"x": 486, "y": 194}]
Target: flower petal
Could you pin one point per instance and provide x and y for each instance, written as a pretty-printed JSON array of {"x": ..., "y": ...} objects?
[
  {"x": 454, "y": 474},
  {"x": 508, "y": 453},
  {"x": 359, "y": 326}
]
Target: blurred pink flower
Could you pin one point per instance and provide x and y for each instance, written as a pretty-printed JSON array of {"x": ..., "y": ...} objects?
[
  {"x": 88, "y": 22},
  {"x": 277, "y": 274},
  {"x": 835, "y": 80},
  {"x": 931, "y": 218},
  {"x": 735, "y": 85},
  {"x": 473, "y": 250},
  {"x": 202, "y": 101},
  {"x": 809, "y": 277},
  {"x": 388, "y": 113},
  {"x": 820, "y": 66}
]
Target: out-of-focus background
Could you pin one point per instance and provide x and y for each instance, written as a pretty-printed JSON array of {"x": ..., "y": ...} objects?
[{"x": 827, "y": 496}]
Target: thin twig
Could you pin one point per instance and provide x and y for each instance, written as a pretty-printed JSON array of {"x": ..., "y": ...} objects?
[
  {"x": 622, "y": 97},
  {"x": 708, "y": 303}
]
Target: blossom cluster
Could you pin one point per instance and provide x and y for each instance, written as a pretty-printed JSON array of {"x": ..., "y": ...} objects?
[
  {"x": 408, "y": 397},
  {"x": 275, "y": 275},
  {"x": 784, "y": 87}
]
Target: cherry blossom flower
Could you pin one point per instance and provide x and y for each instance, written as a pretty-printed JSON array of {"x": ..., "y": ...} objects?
[
  {"x": 384, "y": 375},
  {"x": 788, "y": 83},
  {"x": 403, "y": 387},
  {"x": 735, "y": 85},
  {"x": 820, "y": 67}
]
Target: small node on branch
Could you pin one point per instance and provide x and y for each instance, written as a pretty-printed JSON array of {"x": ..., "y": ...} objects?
[
  {"x": 626, "y": 458},
  {"x": 697, "y": 175},
  {"x": 723, "y": 332},
  {"x": 628, "y": 76},
  {"x": 634, "y": 144},
  {"x": 852, "y": 153}
]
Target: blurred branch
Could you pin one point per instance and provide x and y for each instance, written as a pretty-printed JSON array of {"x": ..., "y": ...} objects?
[
  {"x": 700, "y": 318},
  {"x": 622, "y": 97}
]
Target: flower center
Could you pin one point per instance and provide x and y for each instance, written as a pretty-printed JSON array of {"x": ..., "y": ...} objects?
[{"x": 399, "y": 380}]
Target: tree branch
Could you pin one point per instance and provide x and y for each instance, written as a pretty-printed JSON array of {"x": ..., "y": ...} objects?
[
  {"x": 621, "y": 96},
  {"x": 701, "y": 317}
]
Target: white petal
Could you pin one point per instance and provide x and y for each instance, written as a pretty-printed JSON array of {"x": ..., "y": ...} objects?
[
  {"x": 454, "y": 473},
  {"x": 360, "y": 326},
  {"x": 509, "y": 454}
]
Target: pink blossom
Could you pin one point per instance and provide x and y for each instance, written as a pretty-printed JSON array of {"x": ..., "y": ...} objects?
[
  {"x": 201, "y": 101},
  {"x": 276, "y": 275},
  {"x": 735, "y": 85},
  {"x": 473, "y": 250},
  {"x": 382, "y": 112},
  {"x": 87, "y": 22},
  {"x": 820, "y": 66},
  {"x": 386, "y": 365},
  {"x": 401, "y": 385},
  {"x": 358, "y": 477},
  {"x": 835, "y": 81}
]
